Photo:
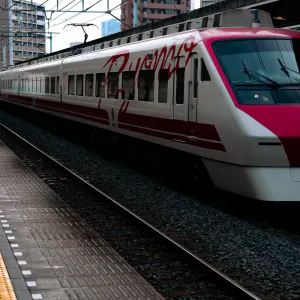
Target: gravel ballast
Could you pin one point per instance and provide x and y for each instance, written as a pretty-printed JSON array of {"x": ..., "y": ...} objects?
[{"x": 265, "y": 262}]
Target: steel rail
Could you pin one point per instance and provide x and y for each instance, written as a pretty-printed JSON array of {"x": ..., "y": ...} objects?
[{"x": 224, "y": 279}]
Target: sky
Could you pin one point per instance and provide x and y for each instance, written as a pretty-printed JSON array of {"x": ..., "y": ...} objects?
[{"x": 63, "y": 36}]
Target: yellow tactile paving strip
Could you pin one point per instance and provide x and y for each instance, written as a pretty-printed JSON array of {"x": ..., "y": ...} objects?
[{"x": 6, "y": 288}]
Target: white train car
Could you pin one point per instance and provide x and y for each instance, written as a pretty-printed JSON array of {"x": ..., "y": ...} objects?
[{"x": 229, "y": 95}]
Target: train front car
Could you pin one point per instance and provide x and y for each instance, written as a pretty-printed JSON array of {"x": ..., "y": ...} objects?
[{"x": 259, "y": 80}]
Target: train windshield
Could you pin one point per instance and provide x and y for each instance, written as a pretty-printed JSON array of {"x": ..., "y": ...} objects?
[{"x": 262, "y": 71}]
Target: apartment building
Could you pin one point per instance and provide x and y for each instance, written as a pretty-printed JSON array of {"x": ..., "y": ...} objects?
[
  {"x": 152, "y": 10},
  {"x": 109, "y": 27},
  {"x": 23, "y": 29}
]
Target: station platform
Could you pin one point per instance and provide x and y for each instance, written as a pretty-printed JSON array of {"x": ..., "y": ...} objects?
[{"x": 48, "y": 252}]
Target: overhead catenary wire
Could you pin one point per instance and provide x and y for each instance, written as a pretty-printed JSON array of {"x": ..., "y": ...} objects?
[{"x": 111, "y": 10}]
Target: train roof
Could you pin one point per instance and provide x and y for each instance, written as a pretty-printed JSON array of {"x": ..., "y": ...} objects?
[
  {"x": 222, "y": 14},
  {"x": 242, "y": 32}
]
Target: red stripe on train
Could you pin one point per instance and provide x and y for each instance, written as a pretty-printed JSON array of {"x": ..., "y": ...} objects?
[
  {"x": 204, "y": 131},
  {"x": 134, "y": 122}
]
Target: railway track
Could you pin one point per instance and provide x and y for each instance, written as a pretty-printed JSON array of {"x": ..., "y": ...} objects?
[{"x": 173, "y": 270}]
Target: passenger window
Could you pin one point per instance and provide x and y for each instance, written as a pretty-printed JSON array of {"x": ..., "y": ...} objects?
[
  {"x": 146, "y": 85},
  {"x": 57, "y": 85},
  {"x": 180, "y": 86},
  {"x": 52, "y": 85},
  {"x": 71, "y": 83},
  {"x": 47, "y": 85},
  {"x": 79, "y": 85},
  {"x": 113, "y": 85},
  {"x": 42, "y": 85},
  {"x": 195, "y": 74},
  {"x": 89, "y": 81},
  {"x": 128, "y": 85},
  {"x": 204, "y": 72},
  {"x": 100, "y": 85},
  {"x": 163, "y": 86},
  {"x": 38, "y": 86}
]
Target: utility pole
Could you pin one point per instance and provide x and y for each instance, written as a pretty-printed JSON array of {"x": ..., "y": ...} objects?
[{"x": 50, "y": 33}]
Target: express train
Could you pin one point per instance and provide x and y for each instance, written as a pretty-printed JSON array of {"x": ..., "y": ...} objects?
[{"x": 227, "y": 94}]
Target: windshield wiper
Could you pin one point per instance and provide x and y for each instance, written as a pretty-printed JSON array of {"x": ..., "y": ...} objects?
[
  {"x": 247, "y": 71},
  {"x": 285, "y": 69}
]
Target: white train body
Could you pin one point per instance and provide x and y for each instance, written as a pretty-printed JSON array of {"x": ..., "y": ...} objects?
[{"x": 174, "y": 91}]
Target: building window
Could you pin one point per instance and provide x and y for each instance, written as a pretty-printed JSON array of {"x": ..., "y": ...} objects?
[
  {"x": 71, "y": 84},
  {"x": 113, "y": 85},
  {"x": 128, "y": 85},
  {"x": 52, "y": 85},
  {"x": 146, "y": 85},
  {"x": 89, "y": 82},
  {"x": 180, "y": 86},
  {"x": 100, "y": 85},
  {"x": 170, "y": 11},
  {"x": 79, "y": 85}
]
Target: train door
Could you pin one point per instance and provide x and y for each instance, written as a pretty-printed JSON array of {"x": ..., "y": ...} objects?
[
  {"x": 193, "y": 68},
  {"x": 180, "y": 110}
]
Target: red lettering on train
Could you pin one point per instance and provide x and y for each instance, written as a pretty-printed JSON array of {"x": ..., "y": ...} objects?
[{"x": 160, "y": 58}]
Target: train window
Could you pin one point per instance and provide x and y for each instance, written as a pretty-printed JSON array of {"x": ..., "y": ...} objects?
[
  {"x": 71, "y": 84},
  {"x": 53, "y": 85},
  {"x": 128, "y": 39},
  {"x": 47, "y": 85},
  {"x": 57, "y": 85},
  {"x": 146, "y": 85},
  {"x": 38, "y": 85},
  {"x": 195, "y": 73},
  {"x": 100, "y": 85},
  {"x": 128, "y": 85},
  {"x": 180, "y": 86},
  {"x": 89, "y": 81},
  {"x": 42, "y": 86},
  {"x": 79, "y": 85},
  {"x": 140, "y": 37},
  {"x": 204, "y": 72},
  {"x": 188, "y": 25},
  {"x": 151, "y": 34},
  {"x": 113, "y": 85},
  {"x": 165, "y": 31},
  {"x": 163, "y": 86}
]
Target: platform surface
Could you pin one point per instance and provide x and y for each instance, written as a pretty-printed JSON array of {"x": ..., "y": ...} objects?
[{"x": 49, "y": 252}]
